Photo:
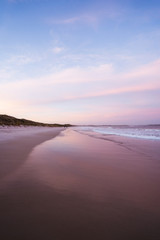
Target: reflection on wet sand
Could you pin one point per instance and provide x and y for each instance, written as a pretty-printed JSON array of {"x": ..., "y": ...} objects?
[{"x": 79, "y": 187}]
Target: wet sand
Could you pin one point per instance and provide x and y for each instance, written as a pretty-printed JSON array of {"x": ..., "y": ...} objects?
[
  {"x": 17, "y": 142},
  {"x": 76, "y": 186}
]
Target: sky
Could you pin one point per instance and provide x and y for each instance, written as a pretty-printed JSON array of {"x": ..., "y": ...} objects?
[{"x": 80, "y": 61}]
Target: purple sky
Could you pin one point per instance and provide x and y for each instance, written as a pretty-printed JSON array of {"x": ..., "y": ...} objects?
[{"x": 80, "y": 62}]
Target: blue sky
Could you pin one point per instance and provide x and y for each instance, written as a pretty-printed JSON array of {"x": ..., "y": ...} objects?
[{"x": 80, "y": 61}]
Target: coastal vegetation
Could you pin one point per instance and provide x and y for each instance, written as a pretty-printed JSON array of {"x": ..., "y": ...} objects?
[{"x": 6, "y": 120}]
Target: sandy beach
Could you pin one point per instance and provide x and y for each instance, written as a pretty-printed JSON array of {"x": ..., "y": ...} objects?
[
  {"x": 17, "y": 142},
  {"x": 70, "y": 185}
]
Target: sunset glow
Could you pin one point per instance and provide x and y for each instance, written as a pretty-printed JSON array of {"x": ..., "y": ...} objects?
[{"x": 80, "y": 62}]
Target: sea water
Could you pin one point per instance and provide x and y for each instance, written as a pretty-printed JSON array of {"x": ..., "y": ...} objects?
[{"x": 145, "y": 132}]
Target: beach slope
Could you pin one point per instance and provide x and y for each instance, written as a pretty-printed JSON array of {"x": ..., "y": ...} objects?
[
  {"x": 79, "y": 186},
  {"x": 17, "y": 142}
]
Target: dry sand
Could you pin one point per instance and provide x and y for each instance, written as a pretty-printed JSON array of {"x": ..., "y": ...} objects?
[{"x": 79, "y": 187}]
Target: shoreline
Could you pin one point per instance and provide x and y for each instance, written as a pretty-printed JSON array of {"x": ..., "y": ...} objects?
[
  {"x": 18, "y": 142},
  {"x": 75, "y": 186},
  {"x": 144, "y": 146}
]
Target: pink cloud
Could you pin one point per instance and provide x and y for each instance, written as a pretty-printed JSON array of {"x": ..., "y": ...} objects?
[{"x": 68, "y": 85}]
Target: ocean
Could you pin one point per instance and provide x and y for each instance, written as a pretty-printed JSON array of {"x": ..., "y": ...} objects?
[{"x": 139, "y": 131}]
